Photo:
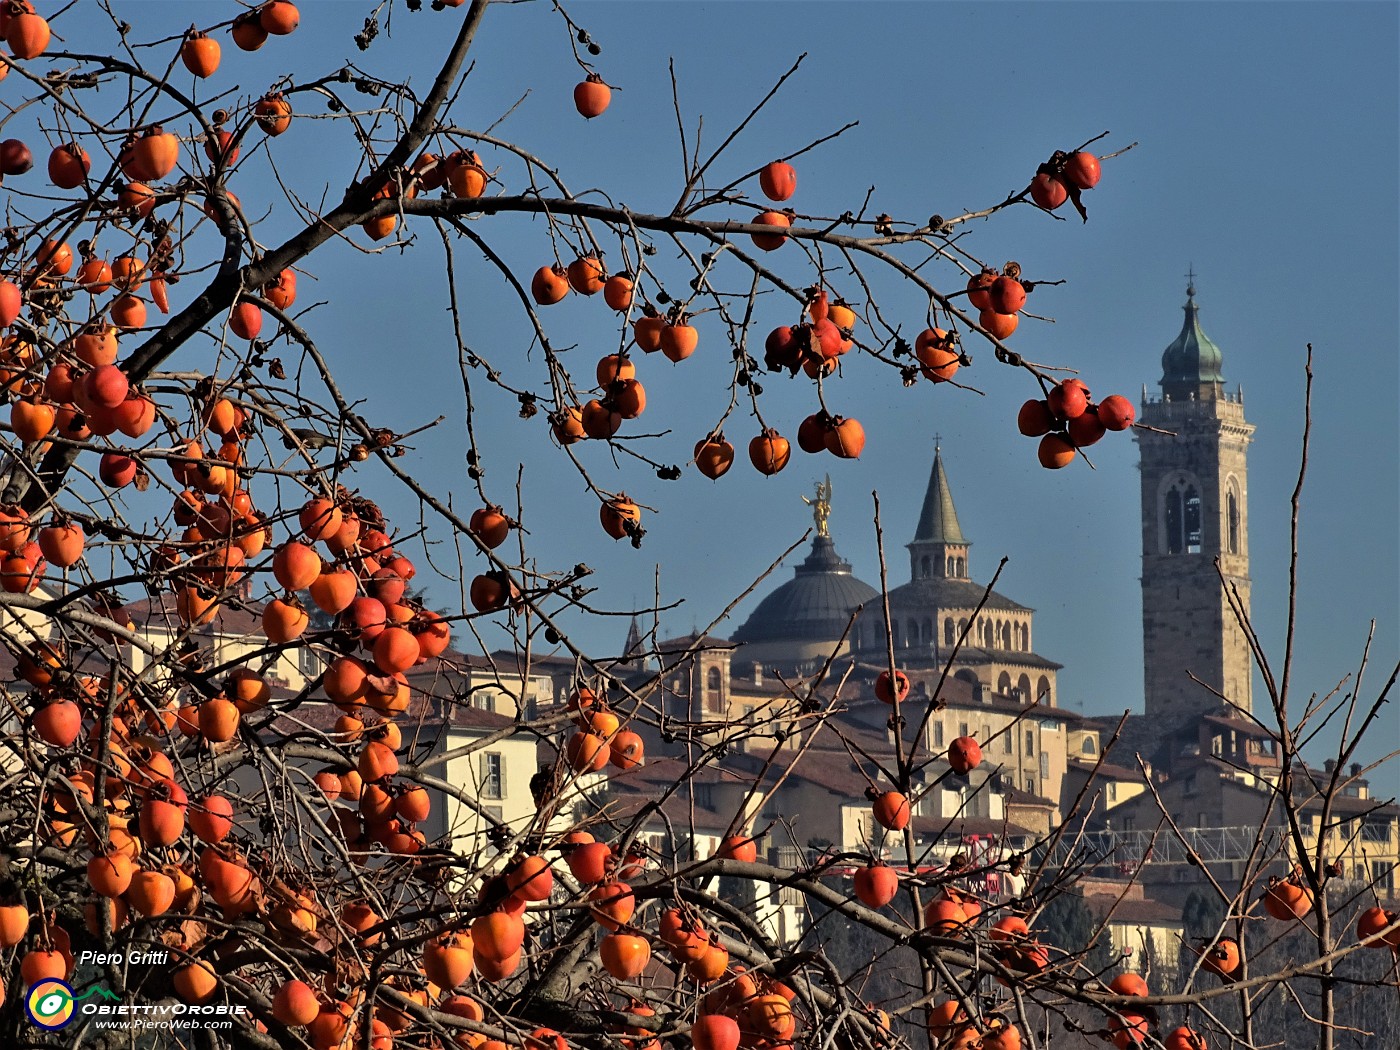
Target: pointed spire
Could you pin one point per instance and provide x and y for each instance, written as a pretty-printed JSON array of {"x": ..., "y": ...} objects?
[
  {"x": 938, "y": 521},
  {"x": 633, "y": 645}
]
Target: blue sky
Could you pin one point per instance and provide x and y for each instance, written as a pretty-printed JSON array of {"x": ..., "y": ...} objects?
[{"x": 1266, "y": 159}]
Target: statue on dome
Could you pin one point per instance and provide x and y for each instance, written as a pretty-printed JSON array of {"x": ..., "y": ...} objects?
[{"x": 821, "y": 506}]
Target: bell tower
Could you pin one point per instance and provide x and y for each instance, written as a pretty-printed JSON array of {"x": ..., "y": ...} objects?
[{"x": 1195, "y": 511}]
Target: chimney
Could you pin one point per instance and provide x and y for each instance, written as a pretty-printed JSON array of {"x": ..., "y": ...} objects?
[
  {"x": 977, "y": 690},
  {"x": 757, "y": 673},
  {"x": 1329, "y": 765},
  {"x": 1356, "y": 769}
]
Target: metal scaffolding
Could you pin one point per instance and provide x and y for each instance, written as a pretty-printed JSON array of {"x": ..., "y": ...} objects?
[{"x": 1207, "y": 845}]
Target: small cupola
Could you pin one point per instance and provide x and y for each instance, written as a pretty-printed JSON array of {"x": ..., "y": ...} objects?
[{"x": 1191, "y": 364}]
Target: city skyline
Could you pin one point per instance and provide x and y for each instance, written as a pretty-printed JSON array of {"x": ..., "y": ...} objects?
[{"x": 1282, "y": 199}]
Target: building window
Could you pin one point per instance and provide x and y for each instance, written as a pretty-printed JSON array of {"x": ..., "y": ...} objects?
[
  {"x": 1044, "y": 764},
  {"x": 924, "y": 565},
  {"x": 1173, "y": 520},
  {"x": 1042, "y": 690},
  {"x": 1030, "y": 785},
  {"x": 948, "y": 636},
  {"x": 1030, "y": 742},
  {"x": 986, "y": 732},
  {"x": 962, "y": 729},
  {"x": 704, "y": 795},
  {"x": 938, "y": 733},
  {"x": 496, "y": 814},
  {"x": 1088, "y": 746},
  {"x": 1023, "y": 689},
  {"x": 493, "y": 775},
  {"x": 1112, "y": 791},
  {"x": 1375, "y": 831},
  {"x": 1193, "y": 521},
  {"x": 1006, "y": 636},
  {"x": 913, "y": 632},
  {"x": 1006, "y": 741},
  {"x": 1004, "y": 684},
  {"x": 1383, "y": 876},
  {"x": 714, "y": 701},
  {"x": 1232, "y": 523}
]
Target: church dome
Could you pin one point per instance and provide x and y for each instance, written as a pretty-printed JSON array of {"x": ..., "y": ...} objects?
[
  {"x": 1192, "y": 359},
  {"x": 814, "y": 606}
]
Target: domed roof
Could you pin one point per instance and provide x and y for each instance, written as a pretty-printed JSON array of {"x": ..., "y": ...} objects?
[
  {"x": 1192, "y": 359},
  {"x": 815, "y": 605}
]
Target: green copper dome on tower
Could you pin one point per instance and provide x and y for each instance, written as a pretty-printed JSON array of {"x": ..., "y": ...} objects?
[{"x": 1191, "y": 365}]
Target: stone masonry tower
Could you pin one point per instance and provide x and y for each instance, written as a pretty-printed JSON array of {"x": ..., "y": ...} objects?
[{"x": 1195, "y": 500}]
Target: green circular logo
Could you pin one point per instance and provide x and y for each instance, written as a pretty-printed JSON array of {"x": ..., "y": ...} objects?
[{"x": 50, "y": 1004}]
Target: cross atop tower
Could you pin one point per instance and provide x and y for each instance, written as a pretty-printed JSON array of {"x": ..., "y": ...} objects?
[{"x": 1190, "y": 280}]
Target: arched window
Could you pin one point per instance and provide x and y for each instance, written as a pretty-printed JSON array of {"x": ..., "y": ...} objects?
[
  {"x": 913, "y": 632},
  {"x": 1006, "y": 636},
  {"x": 712, "y": 679},
  {"x": 929, "y": 635},
  {"x": 1088, "y": 746},
  {"x": 1173, "y": 521},
  {"x": 949, "y": 567},
  {"x": 894, "y": 633},
  {"x": 1232, "y": 523},
  {"x": 966, "y": 676},
  {"x": 1042, "y": 691},
  {"x": 1192, "y": 518},
  {"x": 949, "y": 637},
  {"x": 924, "y": 567},
  {"x": 1023, "y": 686},
  {"x": 1004, "y": 684},
  {"x": 962, "y": 626},
  {"x": 1025, "y": 638}
]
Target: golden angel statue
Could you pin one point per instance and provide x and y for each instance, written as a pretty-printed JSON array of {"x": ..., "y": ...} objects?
[{"x": 821, "y": 506}]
